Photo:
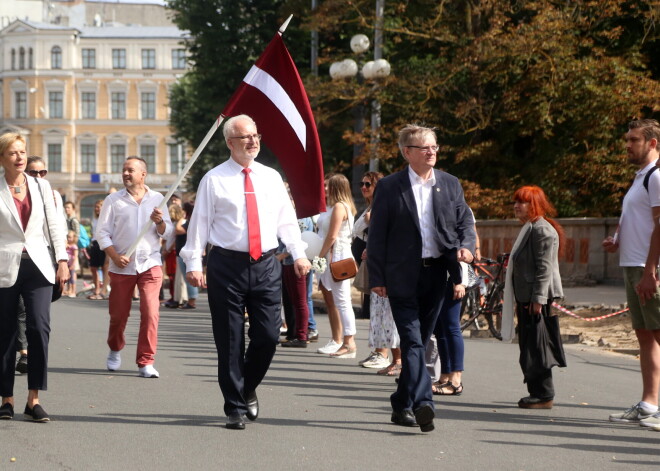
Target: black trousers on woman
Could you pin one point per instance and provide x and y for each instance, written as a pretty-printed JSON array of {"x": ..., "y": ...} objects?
[
  {"x": 36, "y": 292},
  {"x": 541, "y": 348}
]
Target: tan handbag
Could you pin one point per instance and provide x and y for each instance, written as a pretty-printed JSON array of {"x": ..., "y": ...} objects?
[
  {"x": 343, "y": 269},
  {"x": 361, "y": 281}
]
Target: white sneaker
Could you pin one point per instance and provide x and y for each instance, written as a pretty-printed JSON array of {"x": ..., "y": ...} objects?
[
  {"x": 330, "y": 347},
  {"x": 651, "y": 422},
  {"x": 378, "y": 361},
  {"x": 114, "y": 361},
  {"x": 148, "y": 371},
  {"x": 371, "y": 356},
  {"x": 634, "y": 414}
]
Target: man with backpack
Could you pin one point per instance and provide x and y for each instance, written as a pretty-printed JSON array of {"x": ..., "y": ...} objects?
[{"x": 640, "y": 215}]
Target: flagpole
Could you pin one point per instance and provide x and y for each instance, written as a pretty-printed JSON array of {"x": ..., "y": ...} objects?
[
  {"x": 285, "y": 25},
  {"x": 184, "y": 171},
  {"x": 180, "y": 177}
]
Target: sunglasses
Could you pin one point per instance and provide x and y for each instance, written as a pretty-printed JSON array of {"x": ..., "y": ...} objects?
[
  {"x": 34, "y": 173},
  {"x": 367, "y": 184}
]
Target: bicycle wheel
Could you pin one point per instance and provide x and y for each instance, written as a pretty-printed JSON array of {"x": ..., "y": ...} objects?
[
  {"x": 470, "y": 307},
  {"x": 493, "y": 311}
]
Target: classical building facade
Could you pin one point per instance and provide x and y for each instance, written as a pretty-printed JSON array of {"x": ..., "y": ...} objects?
[{"x": 86, "y": 97}]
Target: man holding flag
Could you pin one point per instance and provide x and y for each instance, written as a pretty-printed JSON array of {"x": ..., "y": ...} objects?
[{"x": 241, "y": 209}]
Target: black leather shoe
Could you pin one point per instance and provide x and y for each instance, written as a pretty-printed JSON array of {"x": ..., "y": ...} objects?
[
  {"x": 37, "y": 413},
  {"x": 424, "y": 416},
  {"x": 252, "y": 404},
  {"x": 295, "y": 343},
  {"x": 404, "y": 418},
  {"x": 236, "y": 421},
  {"x": 530, "y": 402},
  {"x": 21, "y": 364},
  {"x": 6, "y": 411}
]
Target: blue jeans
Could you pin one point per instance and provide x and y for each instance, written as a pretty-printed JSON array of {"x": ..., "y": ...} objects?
[
  {"x": 448, "y": 333},
  {"x": 310, "y": 303},
  {"x": 193, "y": 291}
]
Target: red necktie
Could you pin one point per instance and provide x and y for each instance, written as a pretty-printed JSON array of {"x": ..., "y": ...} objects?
[{"x": 254, "y": 233}]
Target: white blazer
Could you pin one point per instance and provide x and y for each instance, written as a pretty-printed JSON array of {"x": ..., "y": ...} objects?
[{"x": 35, "y": 238}]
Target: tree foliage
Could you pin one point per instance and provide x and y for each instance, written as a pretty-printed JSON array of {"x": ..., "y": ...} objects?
[
  {"x": 226, "y": 38},
  {"x": 520, "y": 91}
]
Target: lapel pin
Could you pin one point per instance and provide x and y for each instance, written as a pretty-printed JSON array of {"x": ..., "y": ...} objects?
[{"x": 437, "y": 189}]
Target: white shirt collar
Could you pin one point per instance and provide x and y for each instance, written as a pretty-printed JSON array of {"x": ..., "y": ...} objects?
[
  {"x": 647, "y": 168},
  {"x": 414, "y": 178}
]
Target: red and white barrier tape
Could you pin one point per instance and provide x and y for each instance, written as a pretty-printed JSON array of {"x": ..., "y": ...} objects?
[{"x": 589, "y": 319}]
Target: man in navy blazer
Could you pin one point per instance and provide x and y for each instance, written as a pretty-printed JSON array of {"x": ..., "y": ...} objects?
[{"x": 420, "y": 228}]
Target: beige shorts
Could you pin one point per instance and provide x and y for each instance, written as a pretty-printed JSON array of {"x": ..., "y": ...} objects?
[{"x": 644, "y": 316}]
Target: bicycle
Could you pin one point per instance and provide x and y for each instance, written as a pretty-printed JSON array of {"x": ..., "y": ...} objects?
[{"x": 489, "y": 304}]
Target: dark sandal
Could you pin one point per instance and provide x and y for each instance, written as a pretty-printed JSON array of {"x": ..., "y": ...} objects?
[{"x": 439, "y": 390}]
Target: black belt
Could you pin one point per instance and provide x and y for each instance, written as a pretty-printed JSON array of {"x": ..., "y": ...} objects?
[
  {"x": 245, "y": 256},
  {"x": 430, "y": 261}
]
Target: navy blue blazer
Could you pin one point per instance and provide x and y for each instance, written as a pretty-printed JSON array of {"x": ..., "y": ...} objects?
[{"x": 394, "y": 245}]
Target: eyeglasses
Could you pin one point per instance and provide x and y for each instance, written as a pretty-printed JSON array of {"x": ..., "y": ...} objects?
[
  {"x": 365, "y": 184},
  {"x": 34, "y": 173},
  {"x": 254, "y": 137},
  {"x": 426, "y": 148}
]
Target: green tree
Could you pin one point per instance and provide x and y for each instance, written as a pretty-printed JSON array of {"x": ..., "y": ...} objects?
[
  {"x": 525, "y": 91},
  {"x": 226, "y": 38}
]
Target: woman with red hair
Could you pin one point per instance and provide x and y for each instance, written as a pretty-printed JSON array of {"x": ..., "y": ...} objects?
[{"x": 533, "y": 283}]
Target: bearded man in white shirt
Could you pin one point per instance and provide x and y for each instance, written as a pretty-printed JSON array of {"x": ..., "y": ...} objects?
[
  {"x": 122, "y": 216},
  {"x": 241, "y": 209}
]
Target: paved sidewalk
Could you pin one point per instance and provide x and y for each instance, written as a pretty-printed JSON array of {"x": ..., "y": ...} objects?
[{"x": 317, "y": 412}]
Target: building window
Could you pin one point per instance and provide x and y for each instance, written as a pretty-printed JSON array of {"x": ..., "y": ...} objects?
[
  {"x": 89, "y": 58},
  {"x": 119, "y": 58},
  {"x": 56, "y": 57},
  {"x": 148, "y": 58},
  {"x": 30, "y": 59},
  {"x": 148, "y": 153},
  {"x": 178, "y": 58},
  {"x": 176, "y": 158},
  {"x": 55, "y": 105},
  {"x": 117, "y": 157},
  {"x": 55, "y": 157},
  {"x": 118, "y": 100},
  {"x": 21, "y": 58},
  {"x": 13, "y": 59},
  {"x": 21, "y": 105},
  {"x": 87, "y": 158},
  {"x": 148, "y": 105},
  {"x": 88, "y": 100}
]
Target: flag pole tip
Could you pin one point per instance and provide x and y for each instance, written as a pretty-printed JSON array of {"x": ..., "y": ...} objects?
[{"x": 285, "y": 24}]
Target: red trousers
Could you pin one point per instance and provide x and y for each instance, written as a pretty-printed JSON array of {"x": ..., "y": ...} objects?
[{"x": 121, "y": 296}]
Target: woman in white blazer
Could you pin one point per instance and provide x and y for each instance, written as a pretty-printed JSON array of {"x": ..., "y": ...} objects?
[{"x": 26, "y": 269}]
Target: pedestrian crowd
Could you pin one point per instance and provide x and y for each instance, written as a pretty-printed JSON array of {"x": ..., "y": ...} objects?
[{"x": 410, "y": 251}]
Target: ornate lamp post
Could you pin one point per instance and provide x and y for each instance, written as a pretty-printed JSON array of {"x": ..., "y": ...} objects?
[{"x": 372, "y": 70}]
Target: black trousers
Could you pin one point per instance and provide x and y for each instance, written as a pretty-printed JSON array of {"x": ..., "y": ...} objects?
[
  {"x": 415, "y": 318},
  {"x": 36, "y": 292},
  {"x": 541, "y": 348},
  {"x": 234, "y": 286},
  {"x": 21, "y": 339}
]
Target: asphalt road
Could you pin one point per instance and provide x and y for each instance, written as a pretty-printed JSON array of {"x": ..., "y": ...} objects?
[{"x": 317, "y": 412}]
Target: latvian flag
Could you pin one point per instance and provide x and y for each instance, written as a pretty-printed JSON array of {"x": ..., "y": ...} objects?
[{"x": 273, "y": 94}]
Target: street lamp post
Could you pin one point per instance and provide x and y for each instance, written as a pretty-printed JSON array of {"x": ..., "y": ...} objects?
[{"x": 372, "y": 70}]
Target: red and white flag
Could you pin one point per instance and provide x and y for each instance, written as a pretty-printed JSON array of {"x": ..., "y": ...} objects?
[{"x": 273, "y": 94}]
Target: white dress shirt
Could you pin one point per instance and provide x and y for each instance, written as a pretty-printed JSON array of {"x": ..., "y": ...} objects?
[
  {"x": 422, "y": 190},
  {"x": 220, "y": 216},
  {"x": 119, "y": 224}
]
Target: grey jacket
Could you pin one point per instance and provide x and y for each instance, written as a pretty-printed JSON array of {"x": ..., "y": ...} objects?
[{"x": 536, "y": 266}]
